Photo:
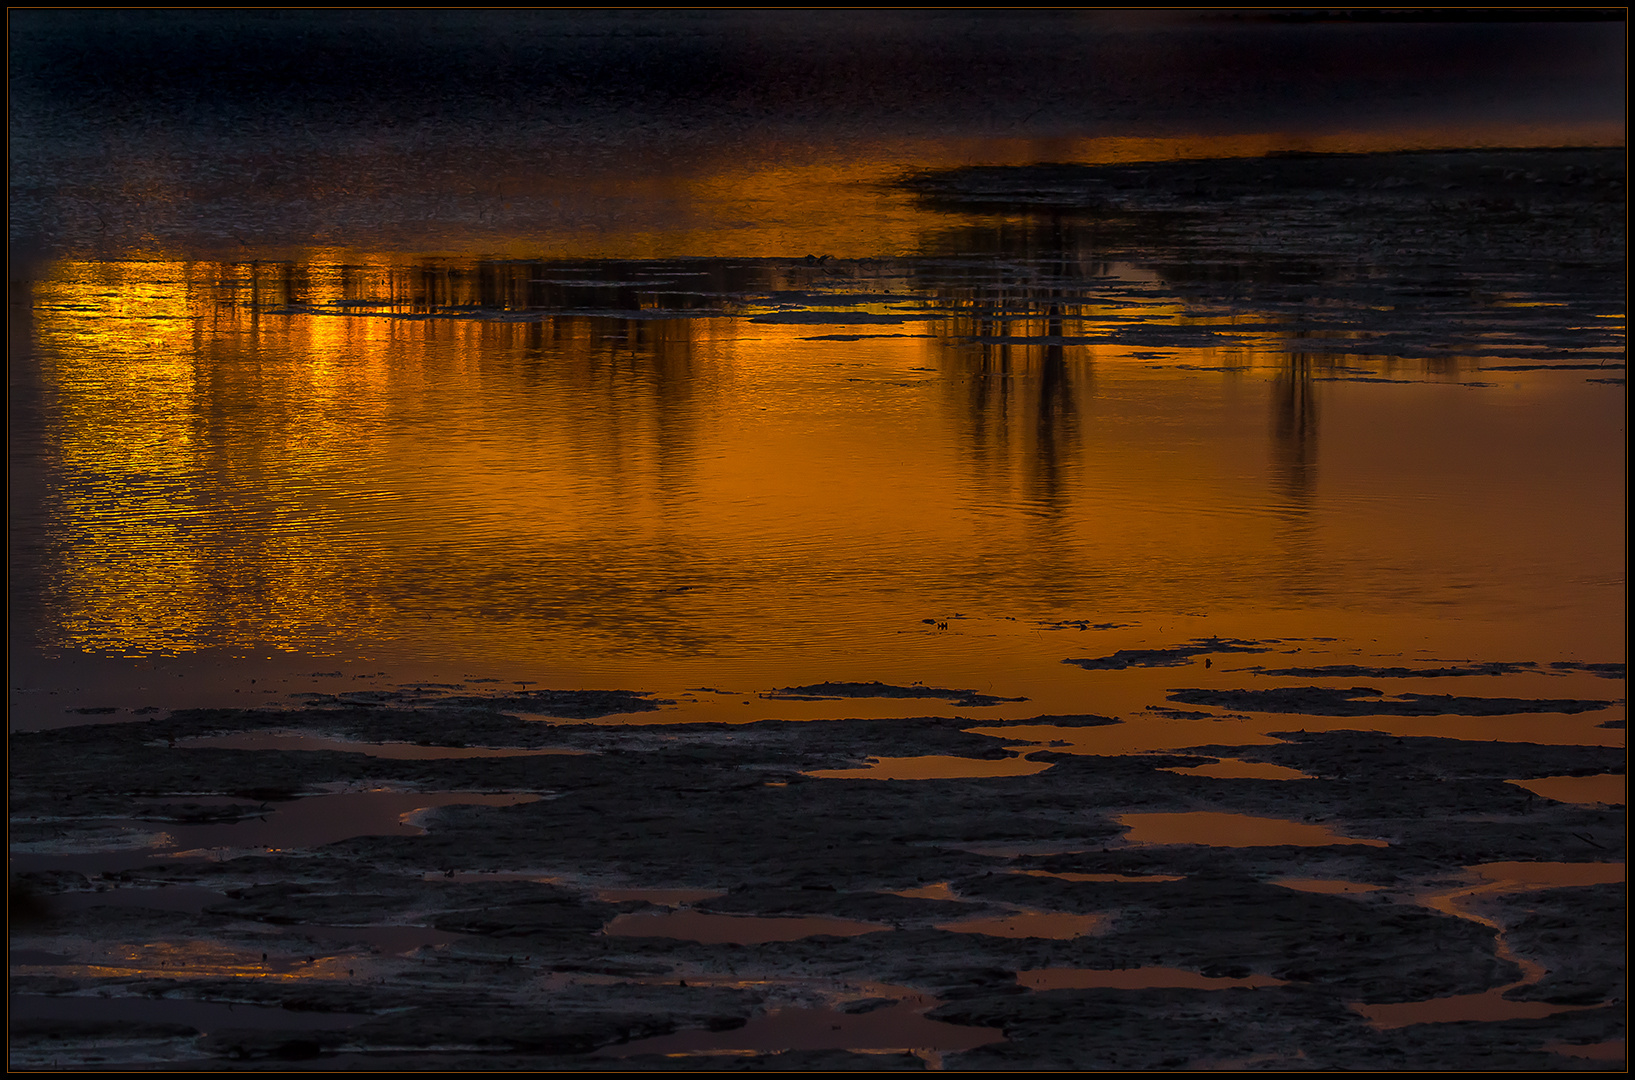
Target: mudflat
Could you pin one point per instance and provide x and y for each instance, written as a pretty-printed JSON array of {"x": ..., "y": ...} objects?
[{"x": 693, "y": 896}]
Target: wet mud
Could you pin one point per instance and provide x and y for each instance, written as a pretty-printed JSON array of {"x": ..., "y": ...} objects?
[{"x": 528, "y": 911}]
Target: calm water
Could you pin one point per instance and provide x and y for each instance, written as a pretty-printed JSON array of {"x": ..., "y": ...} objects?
[
  {"x": 344, "y": 460},
  {"x": 611, "y": 398}
]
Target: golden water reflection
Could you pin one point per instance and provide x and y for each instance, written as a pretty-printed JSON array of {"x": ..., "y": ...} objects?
[{"x": 900, "y": 469}]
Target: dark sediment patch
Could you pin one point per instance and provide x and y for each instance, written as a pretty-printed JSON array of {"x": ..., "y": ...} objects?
[
  {"x": 836, "y": 690},
  {"x": 1368, "y": 701},
  {"x": 1190, "y": 714},
  {"x": 1605, "y": 671},
  {"x": 1358, "y": 671},
  {"x": 1177, "y": 656},
  {"x": 1057, "y": 720}
]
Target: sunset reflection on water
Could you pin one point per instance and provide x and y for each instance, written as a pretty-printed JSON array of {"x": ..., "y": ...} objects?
[{"x": 778, "y": 467}]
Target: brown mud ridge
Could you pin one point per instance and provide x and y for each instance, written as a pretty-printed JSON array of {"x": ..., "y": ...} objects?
[{"x": 535, "y": 911}]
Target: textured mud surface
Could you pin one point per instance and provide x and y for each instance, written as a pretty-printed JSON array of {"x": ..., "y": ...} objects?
[{"x": 482, "y": 936}]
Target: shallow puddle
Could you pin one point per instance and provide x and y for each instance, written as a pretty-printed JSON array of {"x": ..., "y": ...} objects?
[
  {"x": 1611, "y": 1050},
  {"x": 1492, "y": 1005},
  {"x": 1138, "y": 978},
  {"x": 938, "y": 891},
  {"x": 1216, "y": 829},
  {"x": 1603, "y": 789},
  {"x": 934, "y": 767},
  {"x": 295, "y": 740},
  {"x": 1326, "y": 886},
  {"x": 1518, "y": 876},
  {"x": 710, "y": 928},
  {"x": 1238, "y": 769},
  {"x": 1058, "y": 925}
]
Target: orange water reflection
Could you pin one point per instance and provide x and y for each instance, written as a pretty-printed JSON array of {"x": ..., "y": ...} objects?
[
  {"x": 1605, "y": 789},
  {"x": 1231, "y": 830},
  {"x": 1327, "y": 886},
  {"x": 706, "y": 472}
]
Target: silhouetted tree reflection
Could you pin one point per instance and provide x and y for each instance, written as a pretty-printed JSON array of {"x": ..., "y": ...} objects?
[{"x": 1294, "y": 431}]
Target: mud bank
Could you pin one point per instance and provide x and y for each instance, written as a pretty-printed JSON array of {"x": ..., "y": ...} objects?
[{"x": 691, "y": 896}]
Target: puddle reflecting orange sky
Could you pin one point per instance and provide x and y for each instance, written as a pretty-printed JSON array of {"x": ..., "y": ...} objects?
[
  {"x": 1230, "y": 830},
  {"x": 328, "y": 457},
  {"x": 1605, "y": 789}
]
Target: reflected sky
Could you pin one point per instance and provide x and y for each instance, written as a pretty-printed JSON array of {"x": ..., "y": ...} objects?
[{"x": 623, "y": 467}]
